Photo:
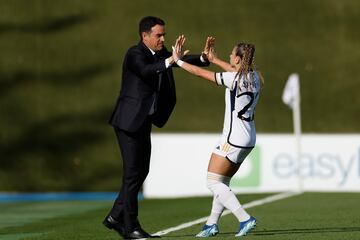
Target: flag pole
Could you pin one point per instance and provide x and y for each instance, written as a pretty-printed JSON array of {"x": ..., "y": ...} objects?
[
  {"x": 291, "y": 97},
  {"x": 297, "y": 133}
]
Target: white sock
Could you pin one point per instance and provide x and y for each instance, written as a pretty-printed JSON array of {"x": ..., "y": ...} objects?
[
  {"x": 233, "y": 204},
  {"x": 224, "y": 195},
  {"x": 216, "y": 211},
  {"x": 241, "y": 215}
]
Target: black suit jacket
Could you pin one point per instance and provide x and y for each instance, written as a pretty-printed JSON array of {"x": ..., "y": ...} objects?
[{"x": 144, "y": 77}]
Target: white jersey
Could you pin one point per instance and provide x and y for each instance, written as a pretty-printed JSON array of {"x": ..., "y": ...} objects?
[{"x": 240, "y": 102}]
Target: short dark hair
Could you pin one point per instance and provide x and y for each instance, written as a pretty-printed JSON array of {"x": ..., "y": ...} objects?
[{"x": 148, "y": 22}]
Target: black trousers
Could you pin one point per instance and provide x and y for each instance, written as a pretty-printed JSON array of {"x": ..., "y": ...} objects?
[{"x": 135, "y": 149}]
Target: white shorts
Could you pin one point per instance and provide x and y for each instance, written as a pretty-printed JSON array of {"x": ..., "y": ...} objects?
[{"x": 234, "y": 154}]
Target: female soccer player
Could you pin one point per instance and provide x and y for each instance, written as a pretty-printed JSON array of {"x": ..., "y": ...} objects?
[{"x": 243, "y": 84}]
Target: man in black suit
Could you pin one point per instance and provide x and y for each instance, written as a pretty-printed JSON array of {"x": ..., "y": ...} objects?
[{"x": 147, "y": 97}]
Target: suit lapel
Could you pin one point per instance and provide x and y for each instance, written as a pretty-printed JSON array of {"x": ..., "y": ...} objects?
[
  {"x": 167, "y": 76},
  {"x": 146, "y": 51}
]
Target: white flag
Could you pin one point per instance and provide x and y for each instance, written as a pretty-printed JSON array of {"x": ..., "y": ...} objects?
[{"x": 291, "y": 91}]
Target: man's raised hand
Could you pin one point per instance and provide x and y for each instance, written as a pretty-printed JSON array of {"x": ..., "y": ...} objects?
[{"x": 178, "y": 52}]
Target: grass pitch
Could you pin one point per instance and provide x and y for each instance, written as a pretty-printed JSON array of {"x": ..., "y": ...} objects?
[{"x": 305, "y": 216}]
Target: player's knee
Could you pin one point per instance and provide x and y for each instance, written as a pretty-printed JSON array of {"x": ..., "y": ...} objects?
[{"x": 217, "y": 182}]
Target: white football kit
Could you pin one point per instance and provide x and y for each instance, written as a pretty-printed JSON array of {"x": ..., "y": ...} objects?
[{"x": 239, "y": 133}]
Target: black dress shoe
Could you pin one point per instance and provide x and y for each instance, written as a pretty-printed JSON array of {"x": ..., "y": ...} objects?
[
  {"x": 139, "y": 233},
  {"x": 111, "y": 223}
]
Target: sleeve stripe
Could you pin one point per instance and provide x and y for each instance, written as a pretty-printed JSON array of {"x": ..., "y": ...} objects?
[
  {"x": 216, "y": 79},
  {"x": 222, "y": 79}
]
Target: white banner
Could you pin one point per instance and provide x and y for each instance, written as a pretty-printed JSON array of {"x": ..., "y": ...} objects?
[{"x": 328, "y": 162}]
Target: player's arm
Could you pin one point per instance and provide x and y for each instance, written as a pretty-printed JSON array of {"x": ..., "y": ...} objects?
[
  {"x": 195, "y": 70},
  {"x": 222, "y": 64}
]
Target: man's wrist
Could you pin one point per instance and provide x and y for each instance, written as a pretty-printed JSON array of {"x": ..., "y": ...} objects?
[
  {"x": 168, "y": 62},
  {"x": 171, "y": 60}
]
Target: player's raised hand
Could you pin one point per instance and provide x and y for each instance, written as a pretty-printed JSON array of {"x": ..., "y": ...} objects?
[
  {"x": 212, "y": 53},
  {"x": 209, "y": 44}
]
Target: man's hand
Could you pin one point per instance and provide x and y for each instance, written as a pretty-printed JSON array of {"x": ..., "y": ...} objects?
[{"x": 178, "y": 52}]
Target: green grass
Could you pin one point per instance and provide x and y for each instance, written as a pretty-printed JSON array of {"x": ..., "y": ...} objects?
[
  {"x": 60, "y": 71},
  {"x": 306, "y": 216}
]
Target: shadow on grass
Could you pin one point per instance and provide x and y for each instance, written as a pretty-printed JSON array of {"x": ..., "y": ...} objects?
[
  {"x": 46, "y": 27},
  {"x": 307, "y": 230},
  {"x": 10, "y": 80},
  {"x": 279, "y": 232},
  {"x": 54, "y": 149},
  {"x": 298, "y": 231},
  {"x": 55, "y": 138}
]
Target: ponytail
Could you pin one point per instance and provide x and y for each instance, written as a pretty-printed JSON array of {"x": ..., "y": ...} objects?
[{"x": 246, "y": 53}]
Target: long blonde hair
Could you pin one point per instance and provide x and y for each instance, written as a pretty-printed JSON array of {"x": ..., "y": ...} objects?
[{"x": 246, "y": 53}]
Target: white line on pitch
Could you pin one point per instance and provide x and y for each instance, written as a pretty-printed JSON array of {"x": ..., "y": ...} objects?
[{"x": 255, "y": 203}]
